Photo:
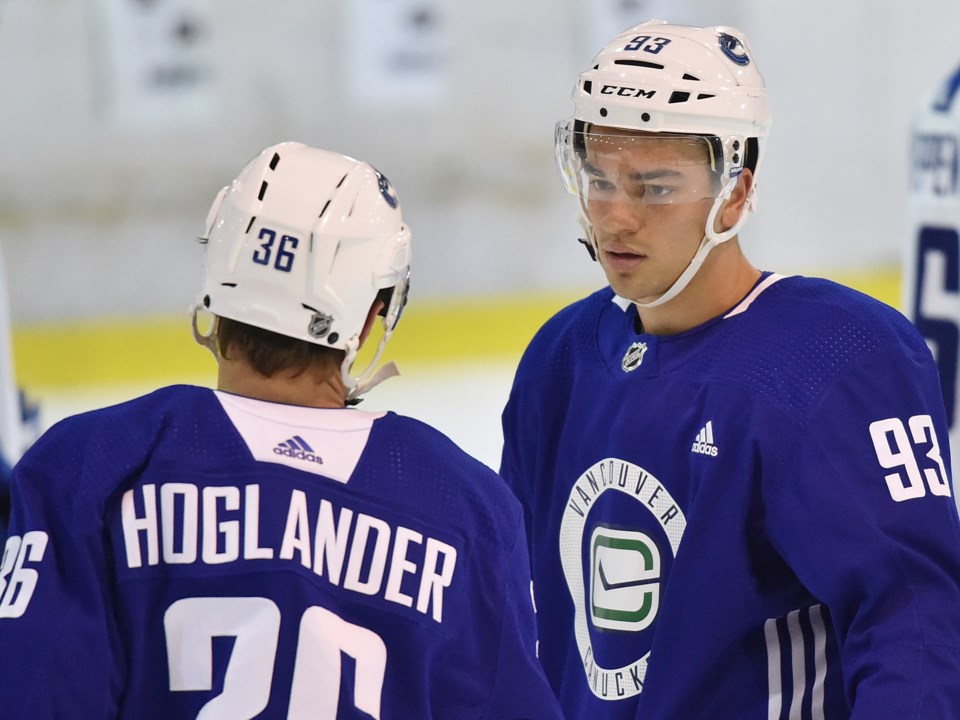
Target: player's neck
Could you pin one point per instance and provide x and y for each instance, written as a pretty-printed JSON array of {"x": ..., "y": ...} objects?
[
  {"x": 315, "y": 387},
  {"x": 725, "y": 278}
]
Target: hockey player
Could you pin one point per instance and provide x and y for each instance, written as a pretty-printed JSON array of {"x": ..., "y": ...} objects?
[
  {"x": 931, "y": 274},
  {"x": 19, "y": 420},
  {"x": 735, "y": 482},
  {"x": 262, "y": 550}
]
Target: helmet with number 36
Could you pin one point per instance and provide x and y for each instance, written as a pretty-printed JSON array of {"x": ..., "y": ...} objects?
[{"x": 302, "y": 243}]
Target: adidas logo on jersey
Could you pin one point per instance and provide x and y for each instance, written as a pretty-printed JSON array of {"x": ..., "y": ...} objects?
[
  {"x": 298, "y": 449},
  {"x": 704, "y": 442}
]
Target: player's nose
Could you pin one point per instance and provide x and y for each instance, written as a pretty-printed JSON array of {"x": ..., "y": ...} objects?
[{"x": 618, "y": 216}]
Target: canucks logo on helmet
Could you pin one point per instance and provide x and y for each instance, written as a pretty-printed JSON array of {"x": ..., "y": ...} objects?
[
  {"x": 734, "y": 49},
  {"x": 386, "y": 189}
]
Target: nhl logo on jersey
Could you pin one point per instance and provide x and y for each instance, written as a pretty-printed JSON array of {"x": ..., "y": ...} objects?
[
  {"x": 634, "y": 356},
  {"x": 319, "y": 325}
]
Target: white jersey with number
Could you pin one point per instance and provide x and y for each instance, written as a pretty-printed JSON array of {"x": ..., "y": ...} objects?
[{"x": 931, "y": 278}]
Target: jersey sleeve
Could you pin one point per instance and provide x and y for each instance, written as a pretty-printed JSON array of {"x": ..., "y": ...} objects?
[
  {"x": 860, "y": 506},
  {"x": 520, "y": 687},
  {"x": 60, "y": 654},
  {"x": 511, "y": 469}
]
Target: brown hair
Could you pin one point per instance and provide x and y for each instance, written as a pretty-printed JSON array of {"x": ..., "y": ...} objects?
[{"x": 269, "y": 352}]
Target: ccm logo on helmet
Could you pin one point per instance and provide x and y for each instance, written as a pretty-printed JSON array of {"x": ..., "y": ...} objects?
[{"x": 623, "y": 91}]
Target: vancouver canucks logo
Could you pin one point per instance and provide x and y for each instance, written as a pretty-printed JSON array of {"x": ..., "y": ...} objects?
[
  {"x": 386, "y": 189},
  {"x": 734, "y": 49},
  {"x": 617, "y": 587},
  {"x": 625, "y": 587},
  {"x": 634, "y": 356},
  {"x": 320, "y": 324}
]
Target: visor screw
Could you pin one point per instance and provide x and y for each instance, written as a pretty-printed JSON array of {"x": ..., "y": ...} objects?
[
  {"x": 736, "y": 144},
  {"x": 736, "y": 159},
  {"x": 206, "y": 301},
  {"x": 332, "y": 338},
  {"x": 645, "y": 117},
  {"x": 603, "y": 112}
]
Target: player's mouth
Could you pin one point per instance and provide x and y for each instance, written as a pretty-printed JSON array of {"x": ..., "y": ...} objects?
[{"x": 622, "y": 259}]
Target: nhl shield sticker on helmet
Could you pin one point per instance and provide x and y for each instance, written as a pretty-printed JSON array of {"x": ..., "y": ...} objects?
[{"x": 319, "y": 325}]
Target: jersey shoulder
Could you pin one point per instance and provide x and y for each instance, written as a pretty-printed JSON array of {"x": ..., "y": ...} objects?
[
  {"x": 802, "y": 334},
  {"x": 133, "y": 420},
  {"x": 431, "y": 475},
  {"x": 568, "y": 339},
  {"x": 829, "y": 307},
  {"x": 111, "y": 442}
]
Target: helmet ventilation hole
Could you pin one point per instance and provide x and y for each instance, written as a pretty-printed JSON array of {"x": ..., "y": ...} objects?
[
  {"x": 645, "y": 117},
  {"x": 603, "y": 112},
  {"x": 639, "y": 63},
  {"x": 253, "y": 219},
  {"x": 206, "y": 301},
  {"x": 332, "y": 338},
  {"x": 275, "y": 161},
  {"x": 263, "y": 190},
  {"x": 678, "y": 96}
]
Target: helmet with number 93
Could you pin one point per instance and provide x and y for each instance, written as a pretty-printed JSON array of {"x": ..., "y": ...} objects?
[
  {"x": 302, "y": 243},
  {"x": 694, "y": 82}
]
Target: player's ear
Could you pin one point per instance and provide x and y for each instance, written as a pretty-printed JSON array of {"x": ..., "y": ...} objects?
[{"x": 735, "y": 205}]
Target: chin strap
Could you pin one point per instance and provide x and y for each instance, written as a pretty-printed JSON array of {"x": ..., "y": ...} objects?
[
  {"x": 710, "y": 240},
  {"x": 368, "y": 379},
  {"x": 208, "y": 339}
]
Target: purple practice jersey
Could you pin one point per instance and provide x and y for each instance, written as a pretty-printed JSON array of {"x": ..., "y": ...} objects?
[
  {"x": 197, "y": 554},
  {"x": 751, "y": 520}
]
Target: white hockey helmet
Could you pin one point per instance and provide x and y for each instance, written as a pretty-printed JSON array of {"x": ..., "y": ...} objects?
[
  {"x": 662, "y": 78},
  {"x": 301, "y": 243}
]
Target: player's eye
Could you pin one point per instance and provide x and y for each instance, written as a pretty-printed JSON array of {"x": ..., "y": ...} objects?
[
  {"x": 598, "y": 184},
  {"x": 659, "y": 191}
]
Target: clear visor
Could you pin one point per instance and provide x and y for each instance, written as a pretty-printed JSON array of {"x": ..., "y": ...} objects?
[{"x": 605, "y": 165}]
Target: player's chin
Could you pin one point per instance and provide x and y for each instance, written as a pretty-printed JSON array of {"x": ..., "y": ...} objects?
[
  {"x": 623, "y": 287},
  {"x": 624, "y": 282}
]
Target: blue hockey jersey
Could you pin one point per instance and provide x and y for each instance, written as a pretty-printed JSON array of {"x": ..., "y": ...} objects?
[
  {"x": 197, "y": 554},
  {"x": 751, "y": 520}
]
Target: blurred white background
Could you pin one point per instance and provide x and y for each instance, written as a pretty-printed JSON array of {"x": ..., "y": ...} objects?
[{"x": 120, "y": 120}]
